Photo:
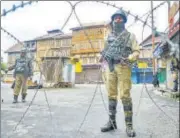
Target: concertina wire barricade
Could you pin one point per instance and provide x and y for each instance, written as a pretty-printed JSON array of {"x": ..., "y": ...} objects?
[{"x": 136, "y": 18}]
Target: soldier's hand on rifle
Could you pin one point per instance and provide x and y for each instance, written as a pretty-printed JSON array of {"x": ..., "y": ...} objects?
[
  {"x": 11, "y": 68},
  {"x": 125, "y": 61},
  {"x": 134, "y": 56}
]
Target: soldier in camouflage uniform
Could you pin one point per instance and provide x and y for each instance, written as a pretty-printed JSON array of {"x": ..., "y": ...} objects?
[
  {"x": 23, "y": 70},
  {"x": 120, "y": 51},
  {"x": 175, "y": 69}
]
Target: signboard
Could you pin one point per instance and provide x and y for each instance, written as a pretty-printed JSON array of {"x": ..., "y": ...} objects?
[
  {"x": 78, "y": 67},
  {"x": 157, "y": 51},
  {"x": 142, "y": 65}
]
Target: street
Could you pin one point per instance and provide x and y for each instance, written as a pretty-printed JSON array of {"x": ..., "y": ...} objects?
[{"x": 68, "y": 108}]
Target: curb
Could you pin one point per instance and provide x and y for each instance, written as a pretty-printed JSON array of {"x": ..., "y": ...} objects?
[{"x": 167, "y": 93}]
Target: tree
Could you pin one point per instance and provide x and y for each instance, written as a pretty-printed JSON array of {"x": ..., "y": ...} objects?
[{"x": 3, "y": 66}]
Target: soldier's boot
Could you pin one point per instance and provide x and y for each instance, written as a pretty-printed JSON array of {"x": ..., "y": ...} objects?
[
  {"x": 15, "y": 100},
  {"x": 23, "y": 98},
  {"x": 130, "y": 131},
  {"x": 128, "y": 112},
  {"x": 111, "y": 124}
]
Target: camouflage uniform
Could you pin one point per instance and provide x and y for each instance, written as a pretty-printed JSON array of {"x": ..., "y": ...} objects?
[
  {"x": 23, "y": 70},
  {"x": 118, "y": 54},
  {"x": 104, "y": 72}
]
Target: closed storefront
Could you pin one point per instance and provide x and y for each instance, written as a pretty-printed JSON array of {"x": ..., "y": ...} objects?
[
  {"x": 52, "y": 69},
  {"x": 90, "y": 74},
  {"x": 145, "y": 75},
  {"x": 89, "y": 53}
]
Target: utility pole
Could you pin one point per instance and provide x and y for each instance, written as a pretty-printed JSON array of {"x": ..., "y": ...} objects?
[
  {"x": 169, "y": 7},
  {"x": 153, "y": 38}
]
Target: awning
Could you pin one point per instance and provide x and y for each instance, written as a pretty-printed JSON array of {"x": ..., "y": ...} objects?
[{"x": 158, "y": 50}]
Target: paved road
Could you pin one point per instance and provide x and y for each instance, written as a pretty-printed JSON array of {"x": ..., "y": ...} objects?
[{"x": 68, "y": 107}]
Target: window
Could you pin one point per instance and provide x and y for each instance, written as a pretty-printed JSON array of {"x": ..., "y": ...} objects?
[
  {"x": 91, "y": 60},
  {"x": 33, "y": 44},
  {"x": 41, "y": 53},
  {"x": 97, "y": 59},
  {"x": 27, "y": 45},
  {"x": 58, "y": 43},
  {"x": 77, "y": 46},
  {"x": 69, "y": 41},
  {"x": 65, "y": 42},
  {"x": 85, "y": 60}
]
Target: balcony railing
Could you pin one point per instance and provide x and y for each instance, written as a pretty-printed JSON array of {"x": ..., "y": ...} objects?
[{"x": 81, "y": 51}]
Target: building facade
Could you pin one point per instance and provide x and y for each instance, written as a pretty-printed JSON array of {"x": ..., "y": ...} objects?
[
  {"x": 145, "y": 62},
  {"x": 52, "y": 49},
  {"x": 87, "y": 43},
  {"x": 14, "y": 51},
  {"x": 164, "y": 50}
]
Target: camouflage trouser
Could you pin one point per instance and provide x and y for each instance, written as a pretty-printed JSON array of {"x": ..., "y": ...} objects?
[
  {"x": 20, "y": 83},
  {"x": 104, "y": 77},
  {"x": 120, "y": 80},
  {"x": 175, "y": 80}
]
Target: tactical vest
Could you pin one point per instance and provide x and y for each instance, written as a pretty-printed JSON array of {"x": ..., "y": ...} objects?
[
  {"x": 118, "y": 46},
  {"x": 21, "y": 66}
]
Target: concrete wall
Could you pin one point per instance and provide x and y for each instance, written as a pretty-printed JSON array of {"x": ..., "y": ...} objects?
[{"x": 169, "y": 75}]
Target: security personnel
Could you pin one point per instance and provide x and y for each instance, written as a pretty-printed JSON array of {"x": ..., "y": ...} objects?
[
  {"x": 175, "y": 69},
  {"x": 155, "y": 80},
  {"x": 23, "y": 70},
  {"x": 121, "y": 50}
]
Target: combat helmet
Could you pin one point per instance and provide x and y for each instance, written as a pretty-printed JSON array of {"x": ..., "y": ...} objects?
[
  {"x": 121, "y": 13},
  {"x": 23, "y": 50}
]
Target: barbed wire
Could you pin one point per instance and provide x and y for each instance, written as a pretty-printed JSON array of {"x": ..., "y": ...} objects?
[
  {"x": 31, "y": 102},
  {"x": 147, "y": 88},
  {"x": 99, "y": 70},
  {"x": 136, "y": 17},
  {"x": 155, "y": 8},
  {"x": 91, "y": 102},
  {"x": 89, "y": 40},
  {"x": 41, "y": 72},
  {"x": 15, "y": 7},
  {"x": 11, "y": 35},
  {"x": 145, "y": 23}
]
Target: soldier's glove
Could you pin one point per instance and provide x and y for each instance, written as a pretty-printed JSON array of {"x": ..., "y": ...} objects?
[
  {"x": 134, "y": 56},
  {"x": 8, "y": 68}
]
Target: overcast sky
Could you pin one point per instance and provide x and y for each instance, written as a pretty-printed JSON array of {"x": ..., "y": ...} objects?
[{"x": 35, "y": 19}]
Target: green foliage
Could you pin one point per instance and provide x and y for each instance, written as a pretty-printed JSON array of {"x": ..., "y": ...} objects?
[{"x": 3, "y": 66}]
